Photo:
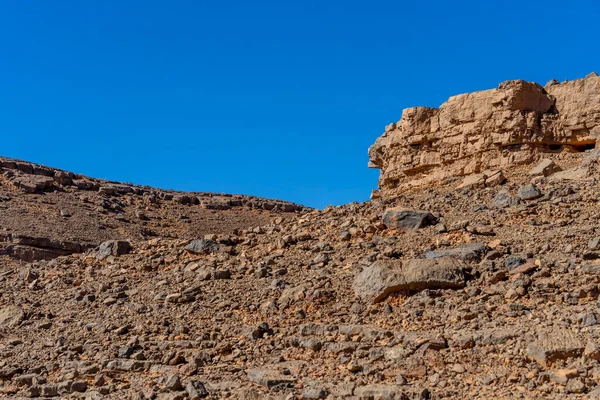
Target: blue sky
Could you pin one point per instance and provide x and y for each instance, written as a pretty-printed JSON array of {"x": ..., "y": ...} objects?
[{"x": 272, "y": 98}]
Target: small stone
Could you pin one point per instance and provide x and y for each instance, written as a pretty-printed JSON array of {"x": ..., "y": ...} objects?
[
  {"x": 314, "y": 392},
  {"x": 79, "y": 386},
  {"x": 458, "y": 368},
  {"x": 113, "y": 248},
  {"x": 592, "y": 351},
  {"x": 271, "y": 376},
  {"x": 588, "y": 319},
  {"x": 468, "y": 252},
  {"x": 99, "y": 380},
  {"x": 562, "y": 376},
  {"x": 222, "y": 274},
  {"x": 49, "y": 390},
  {"x": 576, "y": 386},
  {"x": 196, "y": 390},
  {"x": 11, "y": 316},
  {"x": 594, "y": 243},
  {"x": 354, "y": 367}
]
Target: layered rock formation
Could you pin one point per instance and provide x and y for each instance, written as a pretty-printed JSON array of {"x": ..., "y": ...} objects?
[{"x": 514, "y": 124}]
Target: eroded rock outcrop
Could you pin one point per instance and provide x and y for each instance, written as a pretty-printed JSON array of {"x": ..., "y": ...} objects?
[{"x": 516, "y": 123}]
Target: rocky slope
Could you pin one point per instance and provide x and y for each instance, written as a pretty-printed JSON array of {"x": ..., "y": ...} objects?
[
  {"x": 46, "y": 212},
  {"x": 482, "y": 288}
]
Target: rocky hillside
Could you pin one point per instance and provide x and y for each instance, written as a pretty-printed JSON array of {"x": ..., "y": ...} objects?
[
  {"x": 46, "y": 212},
  {"x": 476, "y": 287}
]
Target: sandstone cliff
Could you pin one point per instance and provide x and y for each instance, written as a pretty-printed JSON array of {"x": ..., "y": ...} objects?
[{"x": 514, "y": 124}]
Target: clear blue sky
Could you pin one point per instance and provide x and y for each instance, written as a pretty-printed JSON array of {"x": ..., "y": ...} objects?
[{"x": 277, "y": 98}]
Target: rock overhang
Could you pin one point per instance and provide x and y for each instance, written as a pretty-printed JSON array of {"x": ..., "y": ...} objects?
[{"x": 516, "y": 123}]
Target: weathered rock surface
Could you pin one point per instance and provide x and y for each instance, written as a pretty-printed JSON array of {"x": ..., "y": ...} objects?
[
  {"x": 406, "y": 219},
  {"x": 529, "y": 192},
  {"x": 469, "y": 252},
  {"x": 554, "y": 345},
  {"x": 201, "y": 246},
  {"x": 382, "y": 278},
  {"x": 113, "y": 248},
  {"x": 514, "y": 124},
  {"x": 546, "y": 167},
  {"x": 11, "y": 316},
  {"x": 505, "y": 199}
]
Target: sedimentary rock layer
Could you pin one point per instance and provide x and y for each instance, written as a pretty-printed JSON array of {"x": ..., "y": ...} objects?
[{"x": 513, "y": 124}]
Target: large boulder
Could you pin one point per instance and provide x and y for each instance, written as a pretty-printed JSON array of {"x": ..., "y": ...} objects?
[
  {"x": 406, "y": 219},
  {"x": 529, "y": 192},
  {"x": 385, "y": 277},
  {"x": 33, "y": 183},
  {"x": 379, "y": 280},
  {"x": 437, "y": 273},
  {"x": 468, "y": 252}
]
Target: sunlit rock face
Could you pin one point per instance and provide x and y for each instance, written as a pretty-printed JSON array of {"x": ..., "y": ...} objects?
[{"x": 517, "y": 123}]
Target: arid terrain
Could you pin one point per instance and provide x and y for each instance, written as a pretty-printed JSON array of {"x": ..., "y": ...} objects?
[{"x": 473, "y": 273}]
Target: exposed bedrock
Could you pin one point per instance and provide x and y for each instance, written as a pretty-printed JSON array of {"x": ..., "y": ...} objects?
[{"x": 517, "y": 123}]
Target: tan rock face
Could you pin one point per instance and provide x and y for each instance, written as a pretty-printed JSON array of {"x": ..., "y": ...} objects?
[{"x": 516, "y": 123}]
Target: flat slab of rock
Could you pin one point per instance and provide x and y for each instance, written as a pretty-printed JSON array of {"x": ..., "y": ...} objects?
[
  {"x": 438, "y": 273},
  {"x": 406, "y": 219},
  {"x": 546, "y": 167},
  {"x": 270, "y": 377},
  {"x": 473, "y": 181},
  {"x": 33, "y": 183},
  {"x": 128, "y": 365},
  {"x": 485, "y": 179},
  {"x": 383, "y": 278},
  {"x": 468, "y": 252},
  {"x": 553, "y": 345},
  {"x": 379, "y": 391}
]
